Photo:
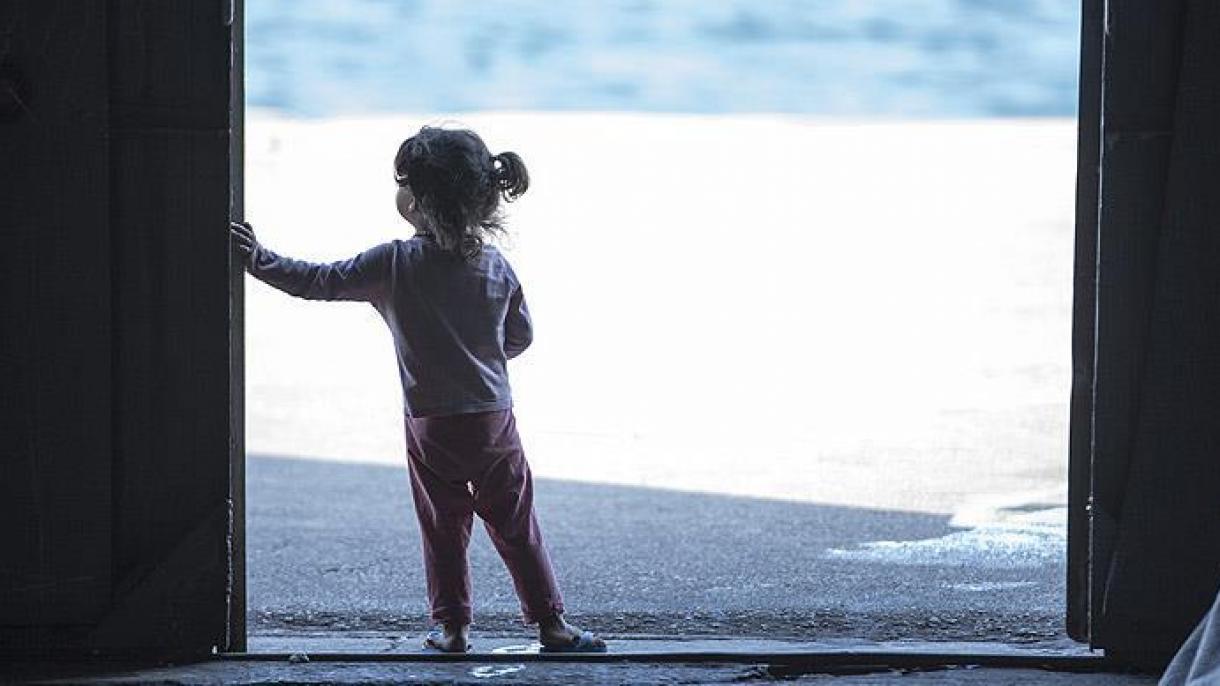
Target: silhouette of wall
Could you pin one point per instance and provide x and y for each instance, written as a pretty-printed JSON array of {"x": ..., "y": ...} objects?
[
  {"x": 1146, "y": 405},
  {"x": 115, "y": 326}
]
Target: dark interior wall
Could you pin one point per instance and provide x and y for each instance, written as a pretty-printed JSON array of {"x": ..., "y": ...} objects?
[
  {"x": 116, "y": 326},
  {"x": 55, "y": 300},
  {"x": 169, "y": 155},
  {"x": 1153, "y": 399}
]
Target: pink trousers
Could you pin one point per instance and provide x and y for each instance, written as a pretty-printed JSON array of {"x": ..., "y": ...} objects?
[{"x": 472, "y": 463}]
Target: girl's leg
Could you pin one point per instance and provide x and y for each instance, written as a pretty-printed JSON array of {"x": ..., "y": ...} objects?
[
  {"x": 445, "y": 511},
  {"x": 504, "y": 499}
]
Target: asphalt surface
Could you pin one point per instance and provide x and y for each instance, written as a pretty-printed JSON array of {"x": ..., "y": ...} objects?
[{"x": 334, "y": 546}]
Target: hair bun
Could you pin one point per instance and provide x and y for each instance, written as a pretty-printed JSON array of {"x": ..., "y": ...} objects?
[{"x": 510, "y": 175}]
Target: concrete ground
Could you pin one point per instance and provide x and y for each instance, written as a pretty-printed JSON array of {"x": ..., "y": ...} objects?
[
  {"x": 334, "y": 547},
  {"x": 224, "y": 672},
  {"x": 626, "y": 666},
  {"x": 371, "y": 657}
]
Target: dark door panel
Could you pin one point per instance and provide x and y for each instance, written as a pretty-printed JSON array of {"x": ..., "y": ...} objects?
[
  {"x": 55, "y": 346},
  {"x": 120, "y": 522},
  {"x": 1144, "y": 545}
]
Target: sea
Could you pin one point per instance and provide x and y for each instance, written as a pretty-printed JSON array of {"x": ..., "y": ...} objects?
[{"x": 923, "y": 59}]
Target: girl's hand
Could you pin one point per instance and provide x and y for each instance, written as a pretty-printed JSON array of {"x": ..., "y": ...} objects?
[{"x": 243, "y": 234}]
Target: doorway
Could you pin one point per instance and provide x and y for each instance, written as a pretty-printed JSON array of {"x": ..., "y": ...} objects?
[{"x": 905, "y": 423}]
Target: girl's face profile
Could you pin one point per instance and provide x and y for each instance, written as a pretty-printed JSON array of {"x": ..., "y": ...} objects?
[{"x": 405, "y": 202}]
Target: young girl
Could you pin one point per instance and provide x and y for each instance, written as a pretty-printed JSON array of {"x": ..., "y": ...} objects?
[{"x": 457, "y": 314}]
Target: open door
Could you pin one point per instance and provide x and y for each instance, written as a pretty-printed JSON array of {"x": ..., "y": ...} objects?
[
  {"x": 1144, "y": 536},
  {"x": 120, "y": 500}
]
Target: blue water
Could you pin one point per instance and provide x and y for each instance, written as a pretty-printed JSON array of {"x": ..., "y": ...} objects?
[{"x": 888, "y": 58}]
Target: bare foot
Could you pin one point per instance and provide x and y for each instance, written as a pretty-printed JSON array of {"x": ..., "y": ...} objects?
[
  {"x": 555, "y": 632},
  {"x": 453, "y": 638}
]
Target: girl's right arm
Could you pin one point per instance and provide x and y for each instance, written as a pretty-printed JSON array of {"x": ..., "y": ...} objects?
[{"x": 362, "y": 277}]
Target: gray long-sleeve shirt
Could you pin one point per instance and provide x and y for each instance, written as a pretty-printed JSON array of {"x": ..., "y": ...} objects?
[{"x": 455, "y": 323}]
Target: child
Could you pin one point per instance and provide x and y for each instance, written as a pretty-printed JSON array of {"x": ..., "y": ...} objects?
[{"x": 457, "y": 314}]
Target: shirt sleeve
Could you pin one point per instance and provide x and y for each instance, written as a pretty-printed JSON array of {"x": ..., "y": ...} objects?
[
  {"x": 518, "y": 329},
  {"x": 363, "y": 277}
]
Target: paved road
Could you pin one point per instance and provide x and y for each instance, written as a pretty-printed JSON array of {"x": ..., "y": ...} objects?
[{"x": 334, "y": 545}]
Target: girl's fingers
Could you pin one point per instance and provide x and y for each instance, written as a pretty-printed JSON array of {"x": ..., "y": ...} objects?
[
  {"x": 243, "y": 234},
  {"x": 244, "y": 243},
  {"x": 242, "y": 228}
]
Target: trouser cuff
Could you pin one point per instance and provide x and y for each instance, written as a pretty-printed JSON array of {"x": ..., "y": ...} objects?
[
  {"x": 452, "y": 615},
  {"x": 531, "y": 616}
]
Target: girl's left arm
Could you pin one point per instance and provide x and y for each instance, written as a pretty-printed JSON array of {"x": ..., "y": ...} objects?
[
  {"x": 362, "y": 277},
  {"x": 518, "y": 329}
]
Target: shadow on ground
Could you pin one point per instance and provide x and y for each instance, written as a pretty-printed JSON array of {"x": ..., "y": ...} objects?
[{"x": 334, "y": 546}]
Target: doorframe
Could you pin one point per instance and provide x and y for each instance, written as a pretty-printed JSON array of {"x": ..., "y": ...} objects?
[
  {"x": 235, "y": 596},
  {"x": 1080, "y": 589},
  {"x": 1084, "y": 322}
]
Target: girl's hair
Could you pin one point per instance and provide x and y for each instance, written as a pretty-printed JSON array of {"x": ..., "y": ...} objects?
[{"x": 457, "y": 184}]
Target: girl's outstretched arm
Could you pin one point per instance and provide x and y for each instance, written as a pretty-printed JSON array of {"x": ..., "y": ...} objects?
[{"x": 362, "y": 277}]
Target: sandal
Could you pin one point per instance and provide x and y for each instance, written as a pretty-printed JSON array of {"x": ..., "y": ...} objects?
[
  {"x": 579, "y": 644},
  {"x": 435, "y": 641}
]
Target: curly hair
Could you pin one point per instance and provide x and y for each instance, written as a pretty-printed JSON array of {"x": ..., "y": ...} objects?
[{"x": 458, "y": 184}]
